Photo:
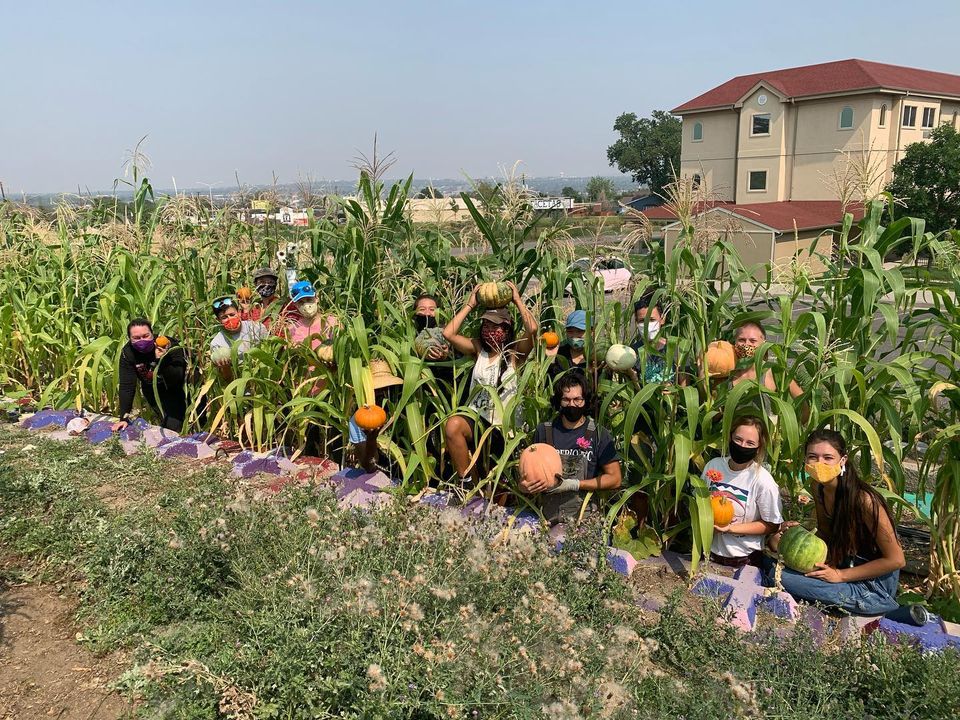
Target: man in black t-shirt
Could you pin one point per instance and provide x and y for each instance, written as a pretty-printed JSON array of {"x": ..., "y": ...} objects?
[{"x": 590, "y": 459}]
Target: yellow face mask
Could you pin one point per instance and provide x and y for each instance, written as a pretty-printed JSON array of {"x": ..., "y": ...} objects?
[{"x": 823, "y": 472}]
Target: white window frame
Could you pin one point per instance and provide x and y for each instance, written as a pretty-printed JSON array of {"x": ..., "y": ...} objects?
[
  {"x": 694, "y": 133},
  {"x": 933, "y": 118},
  {"x": 903, "y": 116},
  {"x": 765, "y": 177},
  {"x": 883, "y": 115},
  {"x": 840, "y": 125},
  {"x": 769, "y": 124}
]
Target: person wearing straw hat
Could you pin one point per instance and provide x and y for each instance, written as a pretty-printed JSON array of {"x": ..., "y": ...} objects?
[
  {"x": 364, "y": 442},
  {"x": 499, "y": 354}
]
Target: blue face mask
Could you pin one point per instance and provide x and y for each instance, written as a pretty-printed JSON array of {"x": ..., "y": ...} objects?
[{"x": 576, "y": 343}]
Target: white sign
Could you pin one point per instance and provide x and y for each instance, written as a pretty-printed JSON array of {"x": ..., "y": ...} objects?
[{"x": 555, "y": 203}]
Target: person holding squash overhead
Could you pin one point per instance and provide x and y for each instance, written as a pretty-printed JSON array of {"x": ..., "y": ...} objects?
[
  {"x": 588, "y": 455},
  {"x": 499, "y": 354},
  {"x": 853, "y": 562},
  {"x": 745, "y": 498}
]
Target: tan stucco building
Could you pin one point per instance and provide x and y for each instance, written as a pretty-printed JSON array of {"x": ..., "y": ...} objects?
[{"x": 772, "y": 145}]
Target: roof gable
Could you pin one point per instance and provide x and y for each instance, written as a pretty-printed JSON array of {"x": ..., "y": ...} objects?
[{"x": 828, "y": 78}]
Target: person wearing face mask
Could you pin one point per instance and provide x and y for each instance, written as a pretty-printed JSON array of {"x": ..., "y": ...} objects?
[
  {"x": 143, "y": 361},
  {"x": 265, "y": 285},
  {"x": 364, "y": 443},
  {"x": 308, "y": 323},
  {"x": 651, "y": 346},
  {"x": 571, "y": 352},
  {"x": 864, "y": 555},
  {"x": 757, "y": 510},
  {"x": 747, "y": 339},
  {"x": 589, "y": 455},
  {"x": 424, "y": 317},
  {"x": 499, "y": 354},
  {"x": 245, "y": 334}
]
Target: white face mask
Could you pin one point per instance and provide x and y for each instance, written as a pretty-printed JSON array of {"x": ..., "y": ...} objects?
[
  {"x": 308, "y": 309},
  {"x": 653, "y": 329}
]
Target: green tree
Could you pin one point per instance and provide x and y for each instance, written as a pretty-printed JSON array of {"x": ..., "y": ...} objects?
[
  {"x": 927, "y": 179},
  {"x": 601, "y": 188},
  {"x": 429, "y": 192},
  {"x": 571, "y": 192},
  {"x": 648, "y": 148}
]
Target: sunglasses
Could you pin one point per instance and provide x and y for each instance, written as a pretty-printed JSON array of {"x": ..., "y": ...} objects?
[{"x": 221, "y": 303}]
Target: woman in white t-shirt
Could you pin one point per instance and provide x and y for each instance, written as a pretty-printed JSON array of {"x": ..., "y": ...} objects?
[
  {"x": 499, "y": 352},
  {"x": 741, "y": 478}
]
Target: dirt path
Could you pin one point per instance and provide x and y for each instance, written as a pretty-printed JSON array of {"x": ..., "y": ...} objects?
[{"x": 44, "y": 673}]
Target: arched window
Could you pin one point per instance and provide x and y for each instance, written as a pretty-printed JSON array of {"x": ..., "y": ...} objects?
[
  {"x": 846, "y": 118},
  {"x": 697, "y": 132},
  {"x": 883, "y": 115}
]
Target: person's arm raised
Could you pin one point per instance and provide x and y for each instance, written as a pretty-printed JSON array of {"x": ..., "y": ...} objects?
[
  {"x": 525, "y": 341},
  {"x": 451, "y": 333}
]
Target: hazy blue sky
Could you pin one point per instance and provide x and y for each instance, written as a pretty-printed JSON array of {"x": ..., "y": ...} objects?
[{"x": 456, "y": 87}]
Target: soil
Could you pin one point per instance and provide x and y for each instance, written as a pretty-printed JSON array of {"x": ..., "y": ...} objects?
[{"x": 44, "y": 673}]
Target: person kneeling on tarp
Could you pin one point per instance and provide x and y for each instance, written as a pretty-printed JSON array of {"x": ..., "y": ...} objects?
[{"x": 589, "y": 456}]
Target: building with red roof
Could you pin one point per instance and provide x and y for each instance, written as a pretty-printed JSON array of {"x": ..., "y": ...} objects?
[{"x": 774, "y": 149}]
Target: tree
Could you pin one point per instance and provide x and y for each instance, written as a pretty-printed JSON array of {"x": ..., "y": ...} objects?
[
  {"x": 429, "y": 192},
  {"x": 571, "y": 192},
  {"x": 927, "y": 179},
  {"x": 648, "y": 148},
  {"x": 600, "y": 189}
]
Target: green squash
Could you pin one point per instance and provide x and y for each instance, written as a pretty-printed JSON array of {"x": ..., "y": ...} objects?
[
  {"x": 429, "y": 338},
  {"x": 494, "y": 294},
  {"x": 802, "y": 550},
  {"x": 220, "y": 354}
]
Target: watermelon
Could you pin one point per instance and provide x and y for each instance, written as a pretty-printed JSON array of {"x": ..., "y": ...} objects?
[
  {"x": 802, "y": 550},
  {"x": 429, "y": 338}
]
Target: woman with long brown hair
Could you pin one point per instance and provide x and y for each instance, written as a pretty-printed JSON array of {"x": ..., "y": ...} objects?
[{"x": 864, "y": 556}]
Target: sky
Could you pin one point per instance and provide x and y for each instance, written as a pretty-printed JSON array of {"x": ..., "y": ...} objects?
[{"x": 295, "y": 89}]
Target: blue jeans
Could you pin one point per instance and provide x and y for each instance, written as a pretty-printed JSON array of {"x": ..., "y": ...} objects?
[{"x": 876, "y": 596}]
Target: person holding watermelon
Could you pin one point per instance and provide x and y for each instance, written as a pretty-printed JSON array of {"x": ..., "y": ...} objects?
[
  {"x": 159, "y": 366},
  {"x": 862, "y": 558},
  {"x": 745, "y": 493}
]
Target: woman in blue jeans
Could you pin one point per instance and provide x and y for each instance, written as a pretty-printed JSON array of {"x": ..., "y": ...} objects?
[{"x": 864, "y": 556}]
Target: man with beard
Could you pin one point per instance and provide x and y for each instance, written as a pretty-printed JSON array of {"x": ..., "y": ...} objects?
[{"x": 590, "y": 460}]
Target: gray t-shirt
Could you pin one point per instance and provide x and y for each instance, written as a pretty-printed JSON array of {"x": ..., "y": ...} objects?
[{"x": 249, "y": 335}]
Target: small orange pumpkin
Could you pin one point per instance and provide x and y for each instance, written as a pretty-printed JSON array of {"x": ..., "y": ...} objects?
[
  {"x": 162, "y": 341},
  {"x": 540, "y": 462},
  {"x": 720, "y": 359},
  {"x": 244, "y": 293},
  {"x": 370, "y": 417},
  {"x": 722, "y": 509},
  {"x": 550, "y": 339}
]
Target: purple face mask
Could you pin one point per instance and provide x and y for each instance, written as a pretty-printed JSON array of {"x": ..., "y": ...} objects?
[{"x": 143, "y": 346}]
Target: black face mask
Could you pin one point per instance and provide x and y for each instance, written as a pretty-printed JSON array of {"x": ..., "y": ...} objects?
[
  {"x": 421, "y": 322},
  {"x": 266, "y": 288},
  {"x": 571, "y": 413},
  {"x": 740, "y": 454}
]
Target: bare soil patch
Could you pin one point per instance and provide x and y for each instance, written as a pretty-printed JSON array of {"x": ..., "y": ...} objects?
[{"x": 44, "y": 673}]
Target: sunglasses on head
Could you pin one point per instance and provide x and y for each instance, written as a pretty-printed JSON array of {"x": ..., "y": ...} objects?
[{"x": 221, "y": 303}]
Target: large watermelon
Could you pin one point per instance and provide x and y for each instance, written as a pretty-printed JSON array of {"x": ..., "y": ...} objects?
[
  {"x": 802, "y": 550},
  {"x": 429, "y": 338}
]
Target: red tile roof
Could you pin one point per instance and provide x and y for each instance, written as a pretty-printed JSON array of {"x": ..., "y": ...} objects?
[
  {"x": 781, "y": 216},
  {"x": 825, "y": 78}
]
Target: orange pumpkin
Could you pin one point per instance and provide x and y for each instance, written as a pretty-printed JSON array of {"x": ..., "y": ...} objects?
[
  {"x": 244, "y": 294},
  {"x": 550, "y": 339},
  {"x": 162, "y": 341},
  {"x": 722, "y": 509},
  {"x": 540, "y": 462},
  {"x": 370, "y": 417},
  {"x": 720, "y": 359}
]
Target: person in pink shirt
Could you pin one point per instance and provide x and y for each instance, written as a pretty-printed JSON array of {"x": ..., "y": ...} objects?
[{"x": 309, "y": 323}]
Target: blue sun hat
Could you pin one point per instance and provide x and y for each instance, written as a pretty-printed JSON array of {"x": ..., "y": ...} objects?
[
  {"x": 577, "y": 319},
  {"x": 301, "y": 291}
]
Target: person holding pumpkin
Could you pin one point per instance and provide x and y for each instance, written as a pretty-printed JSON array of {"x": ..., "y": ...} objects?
[
  {"x": 571, "y": 353},
  {"x": 365, "y": 425},
  {"x": 744, "y": 496},
  {"x": 747, "y": 338},
  {"x": 499, "y": 354},
  {"x": 245, "y": 334},
  {"x": 589, "y": 460},
  {"x": 147, "y": 358},
  {"x": 863, "y": 556}
]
